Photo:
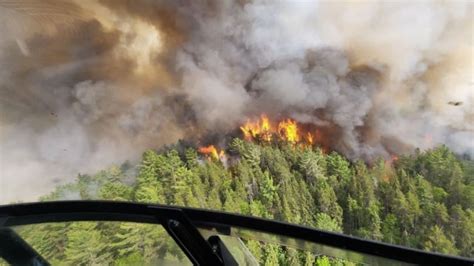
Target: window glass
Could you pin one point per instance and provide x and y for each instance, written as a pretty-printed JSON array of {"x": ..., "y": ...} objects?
[
  {"x": 271, "y": 249},
  {"x": 103, "y": 243}
]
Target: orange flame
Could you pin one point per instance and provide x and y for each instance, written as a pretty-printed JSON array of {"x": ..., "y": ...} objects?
[
  {"x": 288, "y": 130},
  {"x": 212, "y": 152},
  {"x": 309, "y": 138},
  {"x": 262, "y": 130},
  {"x": 257, "y": 129}
]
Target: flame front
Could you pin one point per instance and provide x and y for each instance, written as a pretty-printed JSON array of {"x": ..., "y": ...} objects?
[
  {"x": 258, "y": 129},
  {"x": 287, "y": 130},
  {"x": 262, "y": 129},
  {"x": 212, "y": 152},
  {"x": 309, "y": 138},
  {"x": 266, "y": 133}
]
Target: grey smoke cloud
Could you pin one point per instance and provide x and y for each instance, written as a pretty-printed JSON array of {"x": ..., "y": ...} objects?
[{"x": 98, "y": 82}]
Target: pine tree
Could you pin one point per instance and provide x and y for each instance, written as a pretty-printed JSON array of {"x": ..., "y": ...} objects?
[
  {"x": 362, "y": 215},
  {"x": 86, "y": 246},
  {"x": 325, "y": 222},
  {"x": 149, "y": 188},
  {"x": 326, "y": 201},
  {"x": 49, "y": 239},
  {"x": 391, "y": 229},
  {"x": 313, "y": 166},
  {"x": 437, "y": 241},
  {"x": 323, "y": 261},
  {"x": 461, "y": 226},
  {"x": 268, "y": 191},
  {"x": 271, "y": 255},
  {"x": 115, "y": 190}
]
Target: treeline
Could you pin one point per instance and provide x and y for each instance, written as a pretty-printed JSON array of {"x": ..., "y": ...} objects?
[{"x": 423, "y": 201}]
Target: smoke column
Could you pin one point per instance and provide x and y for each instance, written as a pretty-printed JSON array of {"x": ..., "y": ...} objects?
[{"x": 86, "y": 84}]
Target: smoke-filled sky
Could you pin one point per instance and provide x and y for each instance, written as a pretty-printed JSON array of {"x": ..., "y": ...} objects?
[{"x": 85, "y": 84}]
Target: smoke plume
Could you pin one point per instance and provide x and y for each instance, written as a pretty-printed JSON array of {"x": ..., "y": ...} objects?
[{"x": 85, "y": 84}]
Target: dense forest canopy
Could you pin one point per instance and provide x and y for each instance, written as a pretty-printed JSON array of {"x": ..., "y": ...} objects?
[{"x": 424, "y": 200}]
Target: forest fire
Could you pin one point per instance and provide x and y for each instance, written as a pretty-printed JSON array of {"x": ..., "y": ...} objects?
[
  {"x": 287, "y": 130},
  {"x": 263, "y": 130},
  {"x": 309, "y": 138},
  {"x": 258, "y": 129},
  {"x": 212, "y": 151}
]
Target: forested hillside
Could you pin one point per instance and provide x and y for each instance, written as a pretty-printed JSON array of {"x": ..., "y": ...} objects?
[{"x": 423, "y": 201}]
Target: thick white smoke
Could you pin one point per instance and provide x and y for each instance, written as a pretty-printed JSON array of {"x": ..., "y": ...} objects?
[{"x": 86, "y": 84}]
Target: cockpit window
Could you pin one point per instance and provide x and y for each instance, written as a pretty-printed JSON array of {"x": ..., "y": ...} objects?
[{"x": 103, "y": 243}]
